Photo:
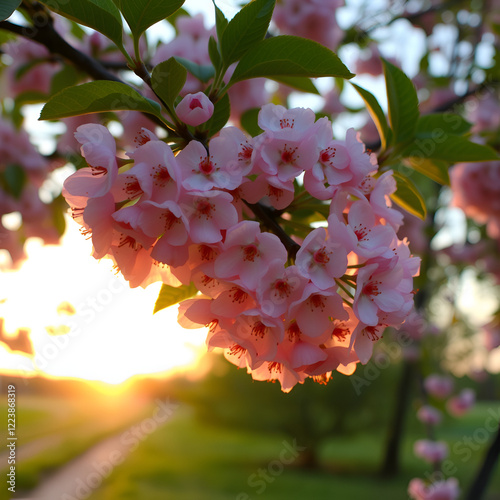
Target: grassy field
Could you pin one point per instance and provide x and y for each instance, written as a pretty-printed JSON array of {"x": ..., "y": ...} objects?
[
  {"x": 189, "y": 456},
  {"x": 188, "y": 459},
  {"x": 60, "y": 427}
]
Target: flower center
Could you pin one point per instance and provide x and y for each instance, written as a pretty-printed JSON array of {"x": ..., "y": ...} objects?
[
  {"x": 206, "y": 166},
  {"x": 250, "y": 252},
  {"x": 321, "y": 256},
  {"x": 195, "y": 103}
]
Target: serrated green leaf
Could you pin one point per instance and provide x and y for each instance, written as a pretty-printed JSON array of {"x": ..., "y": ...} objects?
[
  {"x": 298, "y": 83},
  {"x": 220, "y": 21},
  {"x": 450, "y": 148},
  {"x": 248, "y": 27},
  {"x": 437, "y": 170},
  {"x": 96, "y": 97},
  {"x": 402, "y": 104},
  {"x": 408, "y": 197},
  {"x": 101, "y": 15},
  {"x": 201, "y": 71},
  {"x": 377, "y": 115},
  {"x": 435, "y": 124},
  {"x": 170, "y": 295},
  {"x": 289, "y": 56},
  {"x": 140, "y": 15},
  {"x": 249, "y": 120},
  {"x": 222, "y": 111},
  {"x": 167, "y": 80},
  {"x": 7, "y": 7}
]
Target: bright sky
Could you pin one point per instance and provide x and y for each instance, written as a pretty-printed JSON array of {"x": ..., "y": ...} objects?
[{"x": 114, "y": 334}]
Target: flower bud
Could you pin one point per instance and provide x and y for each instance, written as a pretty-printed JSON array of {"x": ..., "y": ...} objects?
[{"x": 195, "y": 109}]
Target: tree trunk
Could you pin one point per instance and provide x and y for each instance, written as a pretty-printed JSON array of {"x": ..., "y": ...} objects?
[
  {"x": 480, "y": 483},
  {"x": 390, "y": 466}
]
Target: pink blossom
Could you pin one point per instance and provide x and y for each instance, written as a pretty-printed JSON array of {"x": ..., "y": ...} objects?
[
  {"x": 429, "y": 415},
  {"x": 372, "y": 239},
  {"x": 203, "y": 171},
  {"x": 315, "y": 310},
  {"x": 155, "y": 172},
  {"x": 461, "y": 403},
  {"x": 447, "y": 489},
  {"x": 340, "y": 163},
  {"x": 314, "y": 19},
  {"x": 208, "y": 213},
  {"x": 270, "y": 189},
  {"x": 247, "y": 253},
  {"x": 431, "y": 451},
  {"x": 195, "y": 109},
  {"x": 98, "y": 147},
  {"x": 377, "y": 292},
  {"x": 439, "y": 386},
  {"x": 322, "y": 259},
  {"x": 279, "y": 288},
  {"x": 476, "y": 190}
]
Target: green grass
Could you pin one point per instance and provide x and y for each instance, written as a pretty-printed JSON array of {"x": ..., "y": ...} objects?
[
  {"x": 72, "y": 424},
  {"x": 187, "y": 459}
]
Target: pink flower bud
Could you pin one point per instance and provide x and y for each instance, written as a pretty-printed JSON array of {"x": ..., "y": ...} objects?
[
  {"x": 439, "y": 386},
  {"x": 429, "y": 415},
  {"x": 431, "y": 451},
  {"x": 418, "y": 489},
  {"x": 463, "y": 402},
  {"x": 195, "y": 109}
]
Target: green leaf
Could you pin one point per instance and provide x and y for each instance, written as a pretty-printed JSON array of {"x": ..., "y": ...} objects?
[
  {"x": 402, "y": 103},
  {"x": 376, "y": 114},
  {"x": 142, "y": 14},
  {"x": 249, "y": 120},
  {"x": 433, "y": 125},
  {"x": 220, "y": 21},
  {"x": 248, "y": 27},
  {"x": 213, "y": 52},
  {"x": 203, "y": 72},
  {"x": 14, "y": 179},
  {"x": 437, "y": 170},
  {"x": 408, "y": 197},
  {"x": 289, "y": 56},
  {"x": 170, "y": 295},
  {"x": 298, "y": 83},
  {"x": 7, "y": 7},
  {"x": 222, "y": 111},
  {"x": 101, "y": 15},
  {"x": 450, "y": 148},
  {"x": 167, "y": 80},
  {"x": 96, "y": 97}
]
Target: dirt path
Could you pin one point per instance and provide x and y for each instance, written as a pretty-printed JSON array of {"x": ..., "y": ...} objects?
[{"x": 78, "y": 478}]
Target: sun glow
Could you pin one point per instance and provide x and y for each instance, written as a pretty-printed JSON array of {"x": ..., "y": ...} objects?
[{"x": 84, "y": 321}]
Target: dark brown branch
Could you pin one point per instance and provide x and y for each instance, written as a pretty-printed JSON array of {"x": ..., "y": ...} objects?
[
  {"x": 268, "y": 218},
  {"x": 45, "y": 34}
]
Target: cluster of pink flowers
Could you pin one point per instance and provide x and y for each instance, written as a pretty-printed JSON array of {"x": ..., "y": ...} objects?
[
  {"x": 314, "y": 19},
  {"x": 476, "y": 190},
  {"x": 188, "y": 218},
  {"x": 22, "y": 172}
]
